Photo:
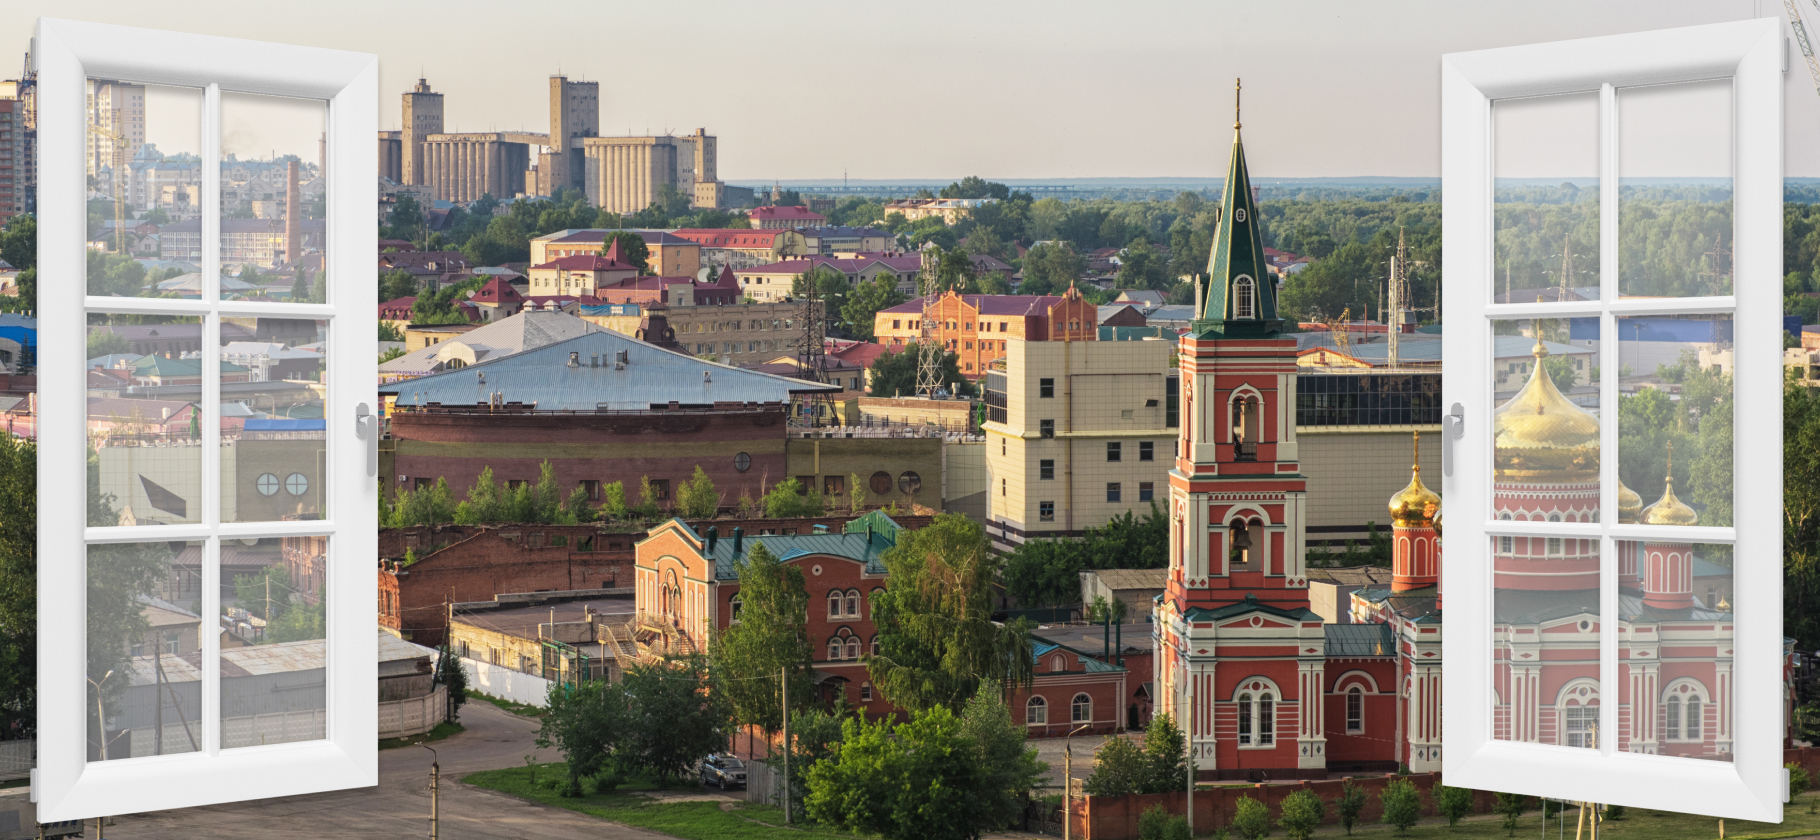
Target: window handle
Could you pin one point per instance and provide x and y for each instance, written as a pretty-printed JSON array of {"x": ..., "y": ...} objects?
[
  {"x": 366, "y": 427},
  {"x": 1453, "y": 426}
]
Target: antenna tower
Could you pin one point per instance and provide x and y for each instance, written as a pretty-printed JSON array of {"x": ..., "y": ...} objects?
[
  {"x": 1399, "y": 297},
  {"x": 812, "y": 364},
  {"x": 929, "y": 349}
]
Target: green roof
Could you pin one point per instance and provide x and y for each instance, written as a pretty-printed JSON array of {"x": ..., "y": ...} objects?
[
  {"x": 1039, "y": 647},
  {"x": 1251, "y": 604},
  {"x": 161, "y": 366},
  {"x": 1373, "y": 639},
  {"x": 857, "y": 545},
  {"x": 1238, "y": 251}
]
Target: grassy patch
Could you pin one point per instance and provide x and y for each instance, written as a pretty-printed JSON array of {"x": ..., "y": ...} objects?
[
  {"x": 688, "y": 820},
  {"x": 510, "y": 706},
  {"x": 442, "y": 730},
  {"x": 1639, "y": 824}
]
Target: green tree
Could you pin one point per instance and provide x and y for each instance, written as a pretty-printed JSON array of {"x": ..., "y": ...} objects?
[
  {"x": 1511, "y": 806},
  {"x": 1120, "y": 768},
  {"x": 1350, "y": 804},
  {"x": 105, "y": 342},
  {"x": 856, "y": 493},
  {"x": 301, "y": 622},
  {"x": 937, "y": 641},
  {"x": 1561, "y": 370},
  {"x": 1402, "y": 804},
  {"x": 1251, "y": 818},
  {"x": 679, "y": 713},
  {"x": 19, "y": 248},
  {"x": 859, "y": 313},
  {"x": 587, "y": 722},
  {"x": 1153, "y": 823},
  {"x": 1302, "y": 813},
  {"x": 1141, "y": 267},
  {"x": 771, "y": 637},
  {"x": 1166, "y": 751},
  {"x": 1452, "y": 802},
  {"x": 18, "y": 586},
  {"x": 387, "y": 332},
  {"x": 918, "y": 779},
  {"x": 117, "y": 576},
  {"x": 649, "y": 506},
  {"x": 613, "y": 500},
  {"x": 788, "y": 499},
  {"x": 632, "y": 247},
  {"x": 894, "y": 373},
  {"x": 1008, "y": 767},
  {"x": 449, "y": 673},
  {"x": 396, "y": 284}
]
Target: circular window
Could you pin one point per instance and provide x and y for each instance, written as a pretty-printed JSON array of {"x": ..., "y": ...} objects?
[
  {"x": 815, "y": 570},
  {"x": 1238, "y": 215},
  {"x": 909, "y": 482},
  {"x": 297, "y": 484},
  {"x": 266, "y": 483},
  {"x": 742, "y": 462},
  {"x": 881, "y": 482}
]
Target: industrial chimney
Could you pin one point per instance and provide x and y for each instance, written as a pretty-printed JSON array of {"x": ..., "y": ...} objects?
[{"x": 293, "y": 214}]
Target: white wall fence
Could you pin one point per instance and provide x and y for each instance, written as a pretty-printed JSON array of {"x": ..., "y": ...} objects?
[
  {"x": 415, "y": 716},
  {"x": 506, "y": 683},
  {"x": 16, "y": 759}
]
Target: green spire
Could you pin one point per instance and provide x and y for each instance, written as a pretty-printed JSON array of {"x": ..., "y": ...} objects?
[{"x": 1239, "y": 297}]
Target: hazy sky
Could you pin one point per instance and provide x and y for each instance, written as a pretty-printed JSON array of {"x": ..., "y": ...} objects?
[{"x": 939, "y": 89}]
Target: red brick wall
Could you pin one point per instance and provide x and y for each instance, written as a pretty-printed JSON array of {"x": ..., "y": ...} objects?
[
  {"x": 488, "y": 563},
  {"x": 1116, "y": 818}
]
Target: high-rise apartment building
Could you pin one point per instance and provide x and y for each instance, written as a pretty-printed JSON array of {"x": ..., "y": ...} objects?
[
  {"x": 16, "y": 176},
  {"x": 117, "y": 107},
  {"x": 422, "y": 117}
]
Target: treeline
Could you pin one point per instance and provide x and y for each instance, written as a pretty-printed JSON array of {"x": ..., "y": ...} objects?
[{"x": 1047, "y": 572}]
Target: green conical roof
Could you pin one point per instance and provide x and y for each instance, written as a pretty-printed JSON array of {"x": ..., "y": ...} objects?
[{"x": 1238, "y": 258}]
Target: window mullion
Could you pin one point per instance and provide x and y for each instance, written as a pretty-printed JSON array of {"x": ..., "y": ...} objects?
[
  {"x": 209, "y": 362},
  {"x": 1611, "y": 685}
]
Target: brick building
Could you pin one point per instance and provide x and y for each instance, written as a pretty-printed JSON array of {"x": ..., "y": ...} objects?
[
  {"x": 723, "y": 247},
  {"x": 667, "y": 254},
  {"x": 785, "y": 218},
  {"x": 977, "y": 327},
  {"x": 688, "y": 588},
  {"x": 580, "y": 275}
]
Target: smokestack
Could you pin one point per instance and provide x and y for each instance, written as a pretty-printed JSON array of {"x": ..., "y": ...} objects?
[{"x": 293, "y": 213}]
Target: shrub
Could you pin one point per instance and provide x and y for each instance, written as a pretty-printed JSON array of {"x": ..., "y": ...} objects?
[
  {"x": 1251, "y": 819},
  {"x": 1402, "y": 804},
  {"x": 1153, "y": 823},
  {"x": 1177, "y": 829},
  {"x": 1614, "y": 812},
  {"x": 1798, "y": 780},
  {"x": 1453, "y": 803},
  {"x": 1119, "y": 769},
  {"x": 1302, "y": 814},
  {"x": 1511, "y": 806},
  {"x": 1351, "y": 804}
]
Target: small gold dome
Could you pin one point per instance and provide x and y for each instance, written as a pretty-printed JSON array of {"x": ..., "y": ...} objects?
[
  {"x": 1669, "y": 510},
  {"x": 1415, "y": 505},
  {"x": 1437, "y": 518},
  {"x": 1630, "y": 505},
  {"x": 1540, "y": 433}
]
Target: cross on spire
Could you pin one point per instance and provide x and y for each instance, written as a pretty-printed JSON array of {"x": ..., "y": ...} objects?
[{"x": 1238, "y": 88}]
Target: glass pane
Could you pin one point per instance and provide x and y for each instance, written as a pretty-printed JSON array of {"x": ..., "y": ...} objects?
[
  {"x": 144, "y": 426},
  {"x": 1547, "y": 198},
  {"x": 272, "y": 649},
  {"x": 1546, "y": 588},
  {"x": 1546, "y": 428},
  {"x": 143, "y": 145},
  {"x": 1675, "y": 419},
  {"x": 1677, "y": 699},
  {"x": 1675, "y": 190},
  {"x": 144, "y": 649},
  {"x": 271, "y": 399},
  {"x": 272, "y": 197}
]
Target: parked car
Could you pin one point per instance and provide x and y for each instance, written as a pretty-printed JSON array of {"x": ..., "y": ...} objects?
[{"x": 724, "y": 770}]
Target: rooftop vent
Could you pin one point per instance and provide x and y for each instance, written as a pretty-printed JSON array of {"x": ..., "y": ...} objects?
[
  {"x": 574, "y": 359},
  {"x": 482, "y": 375},
  {"x": 620, "y": 361},
  {"x": 593, "y": 360},
  {"x": 706, "y": 377}
]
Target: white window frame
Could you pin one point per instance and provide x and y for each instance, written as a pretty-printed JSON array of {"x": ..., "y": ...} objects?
[
  {"x": 66, "y": 786},
  {"x": 1751, "y": 53}
]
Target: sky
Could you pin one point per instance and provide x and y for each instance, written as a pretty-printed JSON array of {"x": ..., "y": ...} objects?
[{"x": 939, "y": 89}]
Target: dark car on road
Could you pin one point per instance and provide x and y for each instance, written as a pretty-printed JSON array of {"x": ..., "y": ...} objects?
[{"x": 723, "y": 770}]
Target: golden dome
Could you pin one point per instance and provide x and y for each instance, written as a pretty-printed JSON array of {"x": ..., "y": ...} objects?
[
  {"x": 1630, "y": 505},
  {"x": 1540, "y": 434},
  {"x": 1669, "y": 510},
  {"x": 1437, "y": 518},
  {"x": 1415, "y": 505}
]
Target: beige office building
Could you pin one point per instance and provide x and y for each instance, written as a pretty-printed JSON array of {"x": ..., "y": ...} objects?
[
  {"x": 1076, "y": 433},
  {"x": 422, "y": 117}
]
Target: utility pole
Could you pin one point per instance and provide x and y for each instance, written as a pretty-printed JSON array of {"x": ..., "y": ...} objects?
[
  {"x": 1068, "y": 783},
  {"x": 785, "y": 673}
]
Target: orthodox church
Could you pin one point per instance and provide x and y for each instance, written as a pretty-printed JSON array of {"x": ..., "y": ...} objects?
[{"x": 1266, "y": 690}]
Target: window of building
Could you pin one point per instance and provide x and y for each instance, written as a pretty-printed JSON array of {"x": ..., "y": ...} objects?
[
  {"x": 1082, "y": 708},
  {"x": 660, "y": 487},
  {"x": 880, "y": 482},
  {"x": 1113, "y": 493},
  {"x": 1115, "y": 451},
  {"x": 1244, "y": 298},
  {"x": 1002, "y": 488},
  {"x": 1045, "y": 388},
  {"x": 1045, "y": 511},
  {"x": 865, "y": 692},
  {"x": 591, "y": 488},
  {"x": 852, "y": 648},
  {"x": 1146, "y": 491},
  {"x": 1146, "y": 450},
  {"x": 1355, "y": 709},
  {"x": 742, "y": 462},
  {"x": 733, "y": 609},
  {"x": 1036, "y": 711},
  {"x": 1045, "y": 469},
  {"x": 835, "y": 648},
  {"x": 853, "y": 603},
  {"x": 834, "y": 485},
  {"x": 835, "y": 601},
  {"x": 1046, "y": 428},
  {"x": 1578, "y": 724},
  {"x": 267, "y": 484}
]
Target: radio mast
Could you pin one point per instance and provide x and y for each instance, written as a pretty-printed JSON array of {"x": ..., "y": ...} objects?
[{"x": 929, "y": 349}]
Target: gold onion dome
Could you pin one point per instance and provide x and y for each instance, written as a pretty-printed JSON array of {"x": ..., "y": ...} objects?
[
  {"x": 1539, "y": 433},
  {"x": 1669, "y": 510},
  {"x": 1630, "y": 505},
  {"x": 1415, "y": 506}
]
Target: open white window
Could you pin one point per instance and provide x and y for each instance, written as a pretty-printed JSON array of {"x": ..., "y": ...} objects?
[
  {"x": 1613, "y": 239},
  {"x": 206, "y": 520}
]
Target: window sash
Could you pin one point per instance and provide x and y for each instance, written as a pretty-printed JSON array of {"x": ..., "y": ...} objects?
[{"x": 1751, "y": 54}]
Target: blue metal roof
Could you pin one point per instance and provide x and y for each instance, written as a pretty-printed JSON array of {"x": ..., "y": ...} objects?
[
  {"x": 651, "y": 378},
  {"x": 286, "y": 425}
]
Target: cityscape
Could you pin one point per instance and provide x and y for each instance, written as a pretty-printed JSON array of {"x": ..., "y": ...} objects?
[{"x": 1102, "y": 507}]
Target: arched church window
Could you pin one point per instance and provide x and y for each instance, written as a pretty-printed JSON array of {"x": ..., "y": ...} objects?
[
  {"x": 1244, "y": 298},
  {"x": 1355, "y": 709}
]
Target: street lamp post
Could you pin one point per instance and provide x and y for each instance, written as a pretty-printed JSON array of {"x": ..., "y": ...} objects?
[
  {"x": 1068, "y": 782},
  {"x": 435, "y": 777},
  {"x": 101, "y": 738}
]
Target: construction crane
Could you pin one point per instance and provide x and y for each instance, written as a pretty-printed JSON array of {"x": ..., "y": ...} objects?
[
  {"x": 1338, "y": 328},
  {"x": 120, "y": 143},
  {"x": 1807, "y": 48}
]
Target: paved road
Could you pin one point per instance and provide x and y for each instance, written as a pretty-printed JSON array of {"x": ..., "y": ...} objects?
[{"x": 399, "y": 807}]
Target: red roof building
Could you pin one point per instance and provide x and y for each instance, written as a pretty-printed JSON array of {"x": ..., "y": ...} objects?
[
  {"x": 397, "y": 311},
  {"x": 976, "y": 327},
  {"x": 496, "y": 300},
  {"x": 784, "y": 218},
  {"x": 744, "y": 248},
  {"x": 581, "y": 275}
]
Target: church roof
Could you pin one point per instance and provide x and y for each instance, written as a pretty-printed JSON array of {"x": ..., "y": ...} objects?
[
  {"x": 1250, "y": 605},
  {"x": 1238, "y": 251},
  {"x": 1373, "y": 639}
]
